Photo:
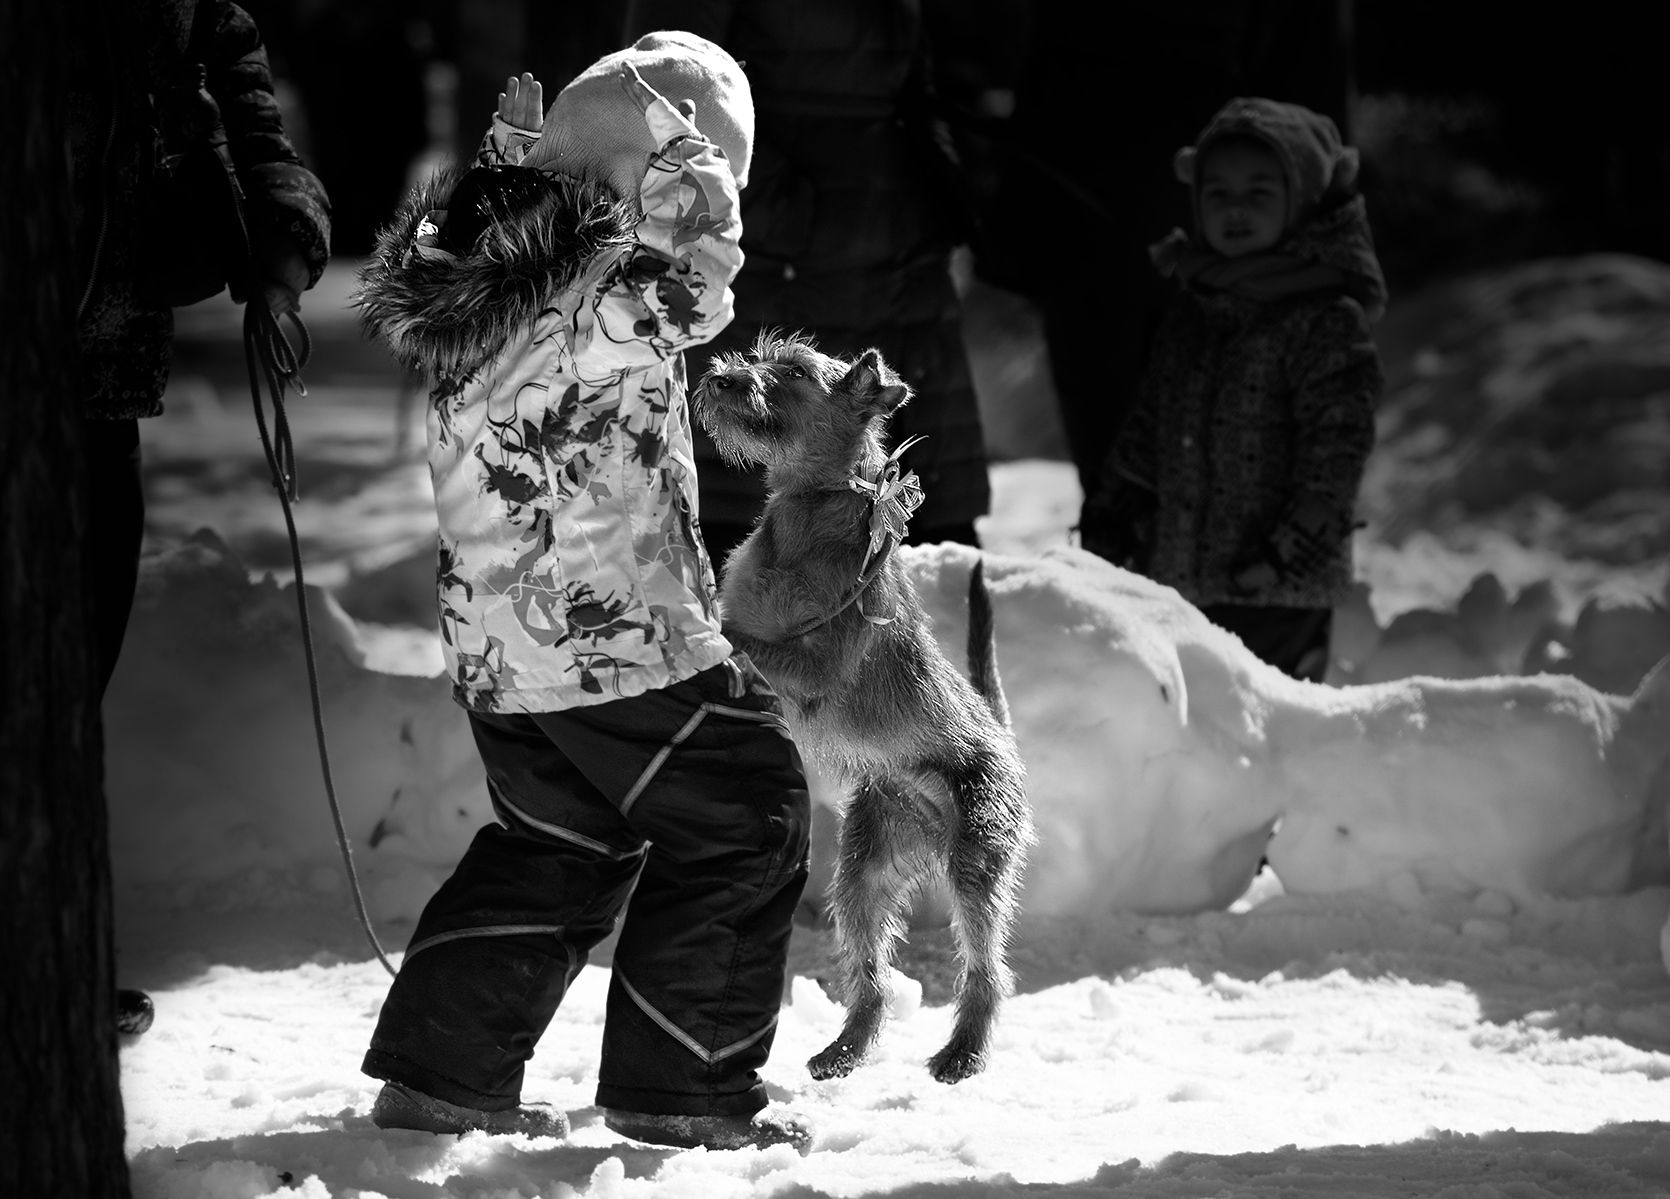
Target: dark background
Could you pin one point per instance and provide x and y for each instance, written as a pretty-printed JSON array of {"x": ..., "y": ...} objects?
[{"x": 1490, "y": 131}]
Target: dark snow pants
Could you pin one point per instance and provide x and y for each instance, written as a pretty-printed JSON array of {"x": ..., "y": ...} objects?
[{"x": 687, "y": 806}]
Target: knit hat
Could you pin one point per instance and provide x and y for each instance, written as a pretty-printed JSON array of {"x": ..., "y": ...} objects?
[
  {"x": 593, "y": 128},
  {"x": 1318, "y": 166}
]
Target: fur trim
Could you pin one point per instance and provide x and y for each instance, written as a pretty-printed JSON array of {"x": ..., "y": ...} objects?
[{"x": 450, "y": 317}]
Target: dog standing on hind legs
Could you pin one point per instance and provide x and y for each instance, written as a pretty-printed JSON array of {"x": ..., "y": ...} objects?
[{"x": 816, "y": 597}]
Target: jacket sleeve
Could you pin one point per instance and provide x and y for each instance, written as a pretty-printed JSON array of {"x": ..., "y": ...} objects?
[
  {"x": 672, "y": 290},
  {"x": 504, "y": 144},
  {"x": 282, "y": 197},
  {"x": 1334, "y": 408}
]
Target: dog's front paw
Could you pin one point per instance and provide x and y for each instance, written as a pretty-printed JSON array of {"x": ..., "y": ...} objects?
[
  {"x": 837, "y": 1061},
  {"x": 952, "y": 1064}
]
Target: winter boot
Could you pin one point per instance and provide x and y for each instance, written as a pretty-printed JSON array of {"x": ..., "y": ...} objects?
[
  {"x": 711, "y": 1132},
  {"x": 402, "y": 1107},
  {"x": 134, "y": 1012}
]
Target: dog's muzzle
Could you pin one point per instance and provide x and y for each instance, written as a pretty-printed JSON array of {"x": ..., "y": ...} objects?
[
  {"x": 734, "y": 393},
  {"x": 732, "y": 408}
]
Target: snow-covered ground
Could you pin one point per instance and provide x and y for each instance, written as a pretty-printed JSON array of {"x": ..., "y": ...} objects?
[{"x": 1452, "y": 985}]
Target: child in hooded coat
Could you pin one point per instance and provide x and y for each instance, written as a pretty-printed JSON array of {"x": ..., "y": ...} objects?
[
  {"x": 635, "y": 763},
  {"x": 1234, "y": 479}
]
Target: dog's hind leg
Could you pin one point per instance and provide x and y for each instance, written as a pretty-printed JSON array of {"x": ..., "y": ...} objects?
[
  {"x": 984, "y": 860},
  {"x": 882, "y": 845}
]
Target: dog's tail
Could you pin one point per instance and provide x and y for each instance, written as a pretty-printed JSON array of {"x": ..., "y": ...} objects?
[{"x": 982, "y": 644}]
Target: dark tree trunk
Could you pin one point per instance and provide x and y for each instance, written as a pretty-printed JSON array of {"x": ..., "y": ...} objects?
[{"x": 60, "y": 1102}]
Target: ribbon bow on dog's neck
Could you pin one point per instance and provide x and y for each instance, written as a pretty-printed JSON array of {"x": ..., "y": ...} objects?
[{"x": 895, "y": 494}]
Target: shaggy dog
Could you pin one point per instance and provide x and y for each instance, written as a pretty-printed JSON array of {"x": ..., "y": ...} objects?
[{"x": 817, "y": 598}]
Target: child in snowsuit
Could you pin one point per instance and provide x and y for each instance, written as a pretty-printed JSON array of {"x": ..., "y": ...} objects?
[
  {"x": 634, "y": 761},
  {"x": 1234, "y": 479}
]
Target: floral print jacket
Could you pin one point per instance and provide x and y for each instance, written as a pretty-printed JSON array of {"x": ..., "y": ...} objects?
[{"x": 570, "y": 567}]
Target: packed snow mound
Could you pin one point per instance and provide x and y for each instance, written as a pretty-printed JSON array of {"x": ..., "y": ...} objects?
[
  {"x": 1117, "y": 690},
  {"x": 213, "y": 775},
  {"x": 1535, "y": 399},
  {"x": 1163, "y": 758}
]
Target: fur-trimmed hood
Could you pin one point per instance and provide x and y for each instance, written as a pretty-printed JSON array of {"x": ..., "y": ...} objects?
[{"x": 449, "y": 308}]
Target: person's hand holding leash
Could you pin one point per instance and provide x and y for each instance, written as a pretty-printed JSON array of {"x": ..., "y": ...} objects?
[{"x": 281, "y": 275}]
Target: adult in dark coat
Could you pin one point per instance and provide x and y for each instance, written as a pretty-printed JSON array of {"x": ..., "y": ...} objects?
[
  {"x": 851, "y": 213},
  {"x": 124, "y": 336}
]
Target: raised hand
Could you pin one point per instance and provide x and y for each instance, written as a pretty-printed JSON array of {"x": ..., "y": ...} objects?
[{"x": 522, "y": 103}]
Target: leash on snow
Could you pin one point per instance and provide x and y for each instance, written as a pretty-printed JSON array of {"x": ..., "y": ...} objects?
[{"x": 266, "y": 346}]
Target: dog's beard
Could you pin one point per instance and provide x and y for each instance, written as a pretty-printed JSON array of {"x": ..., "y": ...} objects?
[
  {"x": 737, "y": 448},
  {"x": 742, "y": 436}
]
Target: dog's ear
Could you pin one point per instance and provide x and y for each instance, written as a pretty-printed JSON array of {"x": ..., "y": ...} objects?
[{"x": 872, "y": 383}]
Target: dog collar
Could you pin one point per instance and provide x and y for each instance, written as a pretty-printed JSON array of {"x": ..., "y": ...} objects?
[{"x": 895, "y": 494}]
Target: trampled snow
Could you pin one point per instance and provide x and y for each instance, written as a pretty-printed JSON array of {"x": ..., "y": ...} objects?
[{"x": 1451, "y": 984}]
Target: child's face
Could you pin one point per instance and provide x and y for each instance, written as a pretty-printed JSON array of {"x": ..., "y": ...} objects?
[{"x": 1243, "y": 198}]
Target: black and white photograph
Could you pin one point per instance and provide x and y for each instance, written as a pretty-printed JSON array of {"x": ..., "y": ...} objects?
[{"x": 812, "y": 599}]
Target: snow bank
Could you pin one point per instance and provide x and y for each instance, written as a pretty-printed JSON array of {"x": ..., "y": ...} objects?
[
  {"x": 212, "y": 769},
  {"x": 1163, "y": 759},
  {"x": 1160, "y": 752}
]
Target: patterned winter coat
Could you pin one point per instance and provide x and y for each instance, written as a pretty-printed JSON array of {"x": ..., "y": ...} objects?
[
  {"x": 1250, "y": 433},
  {"x": 571, "y": 570},
  {"x": 849, "y": 218},
  {"x": 124, "y": 340}
]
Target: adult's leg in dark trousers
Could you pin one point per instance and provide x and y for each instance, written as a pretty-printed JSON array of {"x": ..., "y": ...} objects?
[
  {"x": 499, "y": 944},
  {"x": 110, "y": 567},
  {"x": 700, "y": 965},
  {"x": 1097, "y": 370},
  {"x": 116, "y": 507}
]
